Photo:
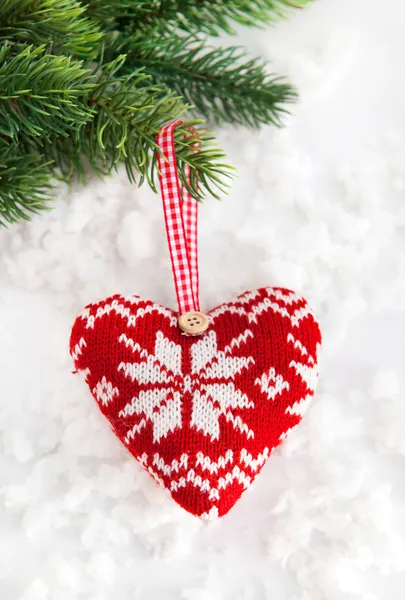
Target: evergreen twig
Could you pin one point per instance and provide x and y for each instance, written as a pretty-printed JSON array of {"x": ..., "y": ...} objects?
[
  {"x": 219, "y": 82},
  {"x": 41, "y": 94},
  {"x": 24, "y": 183},
  {"x": 91, "y": 82},
  {"x": 55, "y": 23},
  {"x": 208, "y": 16},
  {"x": 128, "y": 113}
]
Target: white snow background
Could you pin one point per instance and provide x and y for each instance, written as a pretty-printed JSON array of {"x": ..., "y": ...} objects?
[{"x": 317, "y": 206}]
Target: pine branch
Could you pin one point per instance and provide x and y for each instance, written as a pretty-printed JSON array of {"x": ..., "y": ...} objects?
[
  {"x": 24, "y": 183},
  {"x": 201, "y": 16},
  {"x": 217, "y": 81},
  {"x": 59, "y": 115},
  {"x": 54, "y": 23},
  {"x": 41, "y": 94},
  {"x": 128, "y": 113},
  {"x": 107, "y": 11}
]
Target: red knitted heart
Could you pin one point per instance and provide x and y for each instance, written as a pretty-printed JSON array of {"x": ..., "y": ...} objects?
[{"x": 202, "y": 414}]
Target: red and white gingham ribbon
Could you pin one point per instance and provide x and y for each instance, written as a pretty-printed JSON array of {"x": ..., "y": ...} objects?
[{"x": 181, "y": 216}]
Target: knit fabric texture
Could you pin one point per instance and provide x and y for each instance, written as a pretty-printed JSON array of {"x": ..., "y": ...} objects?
[{"x": 201, "y": 413}]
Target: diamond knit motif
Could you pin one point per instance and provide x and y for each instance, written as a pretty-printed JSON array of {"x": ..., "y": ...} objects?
[{"x": 201, "y": 413}]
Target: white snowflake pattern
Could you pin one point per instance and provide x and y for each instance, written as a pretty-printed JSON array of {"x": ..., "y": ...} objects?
[
  {"x": 213, "y": 372},
  {"x": 211, "y": 385},
  {"x": 105, "y": 392},
  {"x": 272, "y": 383},
  {"x": 162, "y": 404}
]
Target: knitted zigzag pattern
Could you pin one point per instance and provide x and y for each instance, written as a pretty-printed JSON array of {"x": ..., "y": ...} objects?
[{"x": 201, "y": 413}]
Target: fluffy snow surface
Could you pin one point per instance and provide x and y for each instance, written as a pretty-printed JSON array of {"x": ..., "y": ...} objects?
[{"x": 319, "y": 207}]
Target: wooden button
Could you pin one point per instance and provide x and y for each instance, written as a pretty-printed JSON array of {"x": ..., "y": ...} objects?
[{"x": 193, "y": 322}]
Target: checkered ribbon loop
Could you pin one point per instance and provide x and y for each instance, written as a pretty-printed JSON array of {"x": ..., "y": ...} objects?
[{"x": 181, "y": 216}]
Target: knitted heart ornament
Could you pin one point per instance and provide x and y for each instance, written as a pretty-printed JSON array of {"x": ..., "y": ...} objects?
[{"x": 200, "y": 400}]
